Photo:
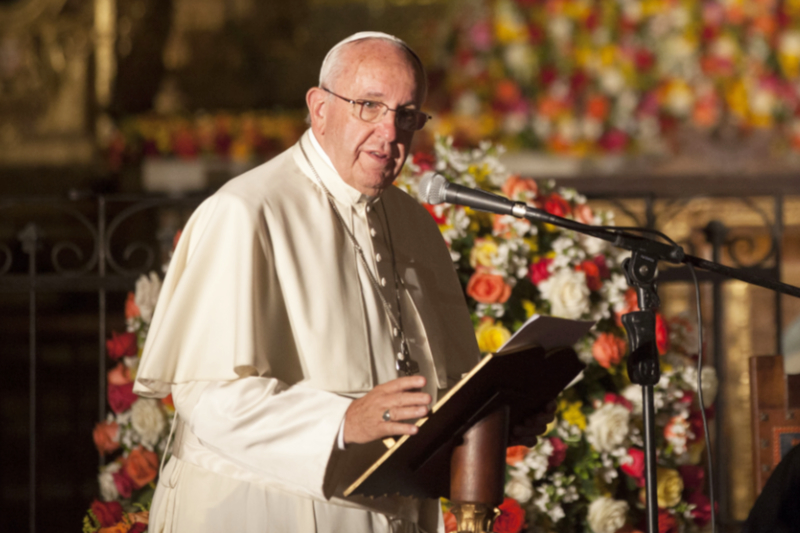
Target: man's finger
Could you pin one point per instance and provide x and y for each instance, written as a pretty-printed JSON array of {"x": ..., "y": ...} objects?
[
  {"x": 402, "y": 384},
  {"x": 405, "y": 399},
  {"x": 407, "y": 413}
]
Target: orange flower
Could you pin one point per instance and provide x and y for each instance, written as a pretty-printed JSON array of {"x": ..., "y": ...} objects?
[
  {"x": 450, "y": 522},
  {"x": 131, "y": 309},
  {"x": 141, "y": 466},
  {"x": 631, "y": 304},
  {"x": 516, "y": 186},
  {"x": 168, "y": 403},
  {"x": 597, "y": 107},
  {"x": 515, "y": 454},
  {"x": 119, "y": 375},
  {"x": 106, "y": 437},
  {"x": 662, "y": 334},
  {"x": 488, "y": 288},
  {"x": 116, "y": 528},
  {"x": 608, "y": 349}
]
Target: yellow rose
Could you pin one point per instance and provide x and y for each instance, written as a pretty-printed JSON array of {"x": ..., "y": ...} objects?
[
  {"x": 482, "y": 253},
  {"x": 491, "y": 336},
  {"x": 670, "y": 487}
]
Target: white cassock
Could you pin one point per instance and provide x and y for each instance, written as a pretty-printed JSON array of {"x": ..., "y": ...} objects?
[{"x": 268, "y": 326}]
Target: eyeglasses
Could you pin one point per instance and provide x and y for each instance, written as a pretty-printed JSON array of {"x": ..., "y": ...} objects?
[{"x": 371, "y": 111}]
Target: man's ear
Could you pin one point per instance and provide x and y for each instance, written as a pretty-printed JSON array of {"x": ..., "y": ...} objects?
[{"x": 316, "y": 100}]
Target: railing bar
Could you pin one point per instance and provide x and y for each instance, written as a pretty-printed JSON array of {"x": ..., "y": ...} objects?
[
  {"x": 32, "y": 387},
  {"x": 101, "y": 229}
]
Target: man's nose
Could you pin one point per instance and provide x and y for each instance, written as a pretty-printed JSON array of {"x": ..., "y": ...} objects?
[{"x": 388, "y": 125}]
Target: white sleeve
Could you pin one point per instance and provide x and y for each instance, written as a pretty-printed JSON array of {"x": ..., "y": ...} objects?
[{"x": 284, "y": 434}]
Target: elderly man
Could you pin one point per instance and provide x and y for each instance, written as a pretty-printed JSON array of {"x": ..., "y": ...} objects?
[{"x": 310, "y": 308}]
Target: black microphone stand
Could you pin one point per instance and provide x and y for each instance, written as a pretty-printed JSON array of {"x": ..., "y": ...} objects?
[{"x": 641, "y": 271}]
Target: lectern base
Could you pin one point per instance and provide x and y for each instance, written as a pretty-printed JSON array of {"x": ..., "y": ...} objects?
[{"x": 474, "y": 517}]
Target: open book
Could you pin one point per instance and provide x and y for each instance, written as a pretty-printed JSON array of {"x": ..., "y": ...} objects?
[{"x": 528, "y": 371}]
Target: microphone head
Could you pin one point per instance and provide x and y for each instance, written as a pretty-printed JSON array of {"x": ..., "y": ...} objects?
[{"x": 432, "y": 188}]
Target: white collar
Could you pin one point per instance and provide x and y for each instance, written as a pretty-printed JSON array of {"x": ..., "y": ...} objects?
[{"x": 342, "y": 189}]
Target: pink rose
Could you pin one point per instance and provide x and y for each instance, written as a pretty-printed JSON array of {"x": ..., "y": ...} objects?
[
  {"x": 517, "y": 188},
  {"x": 123, "y": 482},
  {"x": 583, "y": 214},
  {"x": 538, "y": 271},
  {"x": 559, "y": 452},
  {"x": 119, "y": 375}
]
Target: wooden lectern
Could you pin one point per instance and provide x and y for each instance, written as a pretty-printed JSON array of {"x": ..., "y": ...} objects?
[{"x": 460, "y": 449}]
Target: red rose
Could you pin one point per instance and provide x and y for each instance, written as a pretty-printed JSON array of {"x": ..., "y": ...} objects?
[
  {"x": 424, "y": 161},
  {"x": 701, "y": 514},
  {"x": 138, "y": 527},
  {"x": 121, "y": 397},
  {"x": 693, "y": 477},
  {"x": 488, "y": 288},
  {"x": 610, "y": 397},
  {"x": 592, "y": 273},
  {"x": 662, "y": 334},
  {"x": 121, "y": 345},
  {"x": 511, "y": 518},
  {"x": 559, "y": 452},
  {"x": 635, "y": 467},
  {"x": 602, "y": 267},
  {"x": 666, "y": 522},
  {"x": 439, "y": 219},
  {"x": 556, "y": 205},
  {"x": 107, "y": 513},
  {"x": 538, "y": 272},
  {"x": 123, "y": 482}
]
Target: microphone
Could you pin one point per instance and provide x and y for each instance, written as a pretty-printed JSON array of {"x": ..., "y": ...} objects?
[{"x": 435, "y": 189}]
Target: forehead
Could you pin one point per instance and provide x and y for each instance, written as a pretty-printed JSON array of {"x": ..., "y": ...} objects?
[{"x": 376, "y": 69}]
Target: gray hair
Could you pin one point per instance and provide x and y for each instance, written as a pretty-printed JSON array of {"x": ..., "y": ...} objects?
[{"x": 332, "y": 66}]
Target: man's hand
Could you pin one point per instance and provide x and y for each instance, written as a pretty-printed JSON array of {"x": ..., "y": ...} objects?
[
  {"x": 528, "y": 432},
  {"x": 363, "y": 421}
]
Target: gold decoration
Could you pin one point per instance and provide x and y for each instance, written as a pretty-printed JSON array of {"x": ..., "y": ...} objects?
[{"x": 474, "y": 517}]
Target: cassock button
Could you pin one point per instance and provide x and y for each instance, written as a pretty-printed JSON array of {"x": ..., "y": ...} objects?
[
  {"x": 372, "y": 232},
  {"x": 378, "y": 258},
  {"x": 369, "y": 209},
  {"x": 395, "y": 332},
  {"x": 383, "y": 282}
]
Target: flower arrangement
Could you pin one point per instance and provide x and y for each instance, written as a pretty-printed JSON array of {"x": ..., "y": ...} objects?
[
  {"x": 244, "y": 137},
  {"x": 135, "y": 432},
  {"x": 589, "y": 466},
  {"x": 588, "y": 77}
]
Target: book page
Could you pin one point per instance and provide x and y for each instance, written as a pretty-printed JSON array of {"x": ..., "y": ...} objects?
[{"x": 548, "y": 332}]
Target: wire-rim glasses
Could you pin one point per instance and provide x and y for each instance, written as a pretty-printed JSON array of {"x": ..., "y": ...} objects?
[{"x": 372, "y": 111}]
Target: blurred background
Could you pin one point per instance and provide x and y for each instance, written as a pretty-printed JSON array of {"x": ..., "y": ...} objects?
[{"x": 118, "y": 116}]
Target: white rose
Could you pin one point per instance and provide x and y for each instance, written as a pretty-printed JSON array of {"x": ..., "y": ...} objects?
[
  {"x": 608, "y": 427},
  {"x": 519, "y": 488},
  {"x": 108, "y": 490},
  {"x": 710, "y": 383},
  {"x": 607, "y": 515},
  {"x": 147, "y": 289},
  {"x": 567, "y": 292},
  {"x": 633, "y": 393},
  {"x": 147, "y": 419}
]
